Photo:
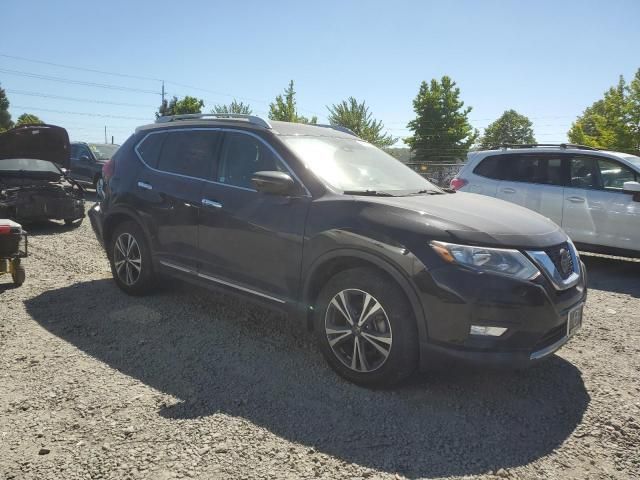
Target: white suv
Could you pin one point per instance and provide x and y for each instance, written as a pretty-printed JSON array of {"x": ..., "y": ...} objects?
[{"x": 594, "y": 195}]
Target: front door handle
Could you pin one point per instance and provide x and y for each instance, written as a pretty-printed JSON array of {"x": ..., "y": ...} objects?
[
  {"x": 211, "y": 203},
  {"x": 576, "y": 199},
  {"x": 145, "y": 185},
  {"x": 508, "y": 190}
]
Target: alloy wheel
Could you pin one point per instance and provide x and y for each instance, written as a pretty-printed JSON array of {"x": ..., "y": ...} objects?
[
  {"x": 127, "y": 259},
  {"x": 358, "y": 330}
]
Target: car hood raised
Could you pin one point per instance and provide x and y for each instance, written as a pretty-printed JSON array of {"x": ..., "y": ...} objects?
[
  {"x": 476, "y": 219},
  {"x": 42, "y": 142}
]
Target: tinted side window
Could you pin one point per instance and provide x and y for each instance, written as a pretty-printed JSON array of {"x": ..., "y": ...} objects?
[
  {"x": 614, "y": 174},
  {"x": 541, "y": 169},
  {"x": 150, "y": 148},
  {"x": 242, "y": 156},
  {"x": 74, "y": 151},
  {"x": 584, "y": 172},
  {"x": 192, "y": 153}
]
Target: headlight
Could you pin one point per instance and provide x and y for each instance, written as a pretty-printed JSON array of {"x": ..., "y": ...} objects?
[{"x": 496, "y": 260}]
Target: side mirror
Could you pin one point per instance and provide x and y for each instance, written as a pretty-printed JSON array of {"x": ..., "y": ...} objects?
[
  {"x": 631, "y": 187},
  {"x": 275, "y": 183}
]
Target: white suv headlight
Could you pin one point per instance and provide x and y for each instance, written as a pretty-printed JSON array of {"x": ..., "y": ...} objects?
[{"x": 495, "y": 260}]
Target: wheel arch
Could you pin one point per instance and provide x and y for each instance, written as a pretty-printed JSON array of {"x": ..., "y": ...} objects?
[
  {"x": 116, "y": 218},
  {"x": 337, "y": 261}
]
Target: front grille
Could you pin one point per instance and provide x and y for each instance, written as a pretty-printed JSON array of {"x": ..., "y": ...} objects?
[{"x": 561, "y": 260}]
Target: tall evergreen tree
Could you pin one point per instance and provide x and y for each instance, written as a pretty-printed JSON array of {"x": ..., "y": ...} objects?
[
  {"x": 284, "y": 108},
  {"x": 5, "y": 116},
  {"x": 511, "y": 127},
  {"x": 441, "y": 129},
  {"x": 356, "y": 117}
]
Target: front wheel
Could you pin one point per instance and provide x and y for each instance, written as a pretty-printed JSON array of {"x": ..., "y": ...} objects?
[
  {"x": 98, "y": 184},
  {"x": 366, "y": 328},
  {"x": 130, "y": 259}
]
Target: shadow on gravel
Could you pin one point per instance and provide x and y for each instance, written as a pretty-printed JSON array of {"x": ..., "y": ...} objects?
[
  {"x": 217, "y": 355},
  {"x": 613, "y": 274}
]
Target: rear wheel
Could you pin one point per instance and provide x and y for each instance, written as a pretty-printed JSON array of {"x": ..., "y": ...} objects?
[
  {"x": 130, "y": 259},
  {"x": 366, "y": 328},
  {"x": 75, "y": 222},
  {"x": 98, "y": 184}
]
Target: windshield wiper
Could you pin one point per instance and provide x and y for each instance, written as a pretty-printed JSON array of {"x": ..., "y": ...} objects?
[
  {"x": 369, "y": 193},
  {"x": 426, "y": 192}
]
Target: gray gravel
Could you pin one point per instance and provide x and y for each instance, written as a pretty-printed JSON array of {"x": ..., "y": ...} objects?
[{"x": 186, "y": 383}]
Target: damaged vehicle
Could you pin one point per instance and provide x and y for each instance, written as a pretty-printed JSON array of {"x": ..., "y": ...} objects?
[{"x": 34, "y": 185}]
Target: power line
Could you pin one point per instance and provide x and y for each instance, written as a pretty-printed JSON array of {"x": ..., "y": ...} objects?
[
  {"x": 76, "y": 82},
  {"x": 82, "y": 113},
  {"x": 73, "y": 99},
  {"x": 84, "y": 69}
]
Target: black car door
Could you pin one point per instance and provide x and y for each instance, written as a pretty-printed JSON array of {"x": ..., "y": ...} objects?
[
  {"x": 169, "y": 191},
  {"x": 81, "y": 163},
  {"x": 251, "y": 240}
]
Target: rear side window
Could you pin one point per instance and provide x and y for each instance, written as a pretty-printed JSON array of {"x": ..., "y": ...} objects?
[
  {"x": 150, "y": 149},
  {"x": 489, "y": 167},
  {"x": 242, "y": 156},
  {"x": 191, "y": 153}
]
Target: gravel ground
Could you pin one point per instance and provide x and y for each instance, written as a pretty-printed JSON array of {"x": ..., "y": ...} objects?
[{"x": 186, "y": 383}]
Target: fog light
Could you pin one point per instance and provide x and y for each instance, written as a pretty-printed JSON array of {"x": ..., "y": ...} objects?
[{"x": 487, "y": 331}]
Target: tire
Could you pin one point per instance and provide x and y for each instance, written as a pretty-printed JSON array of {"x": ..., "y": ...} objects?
[
  {"x": 388, "y": 322},
  {"x": 18, "y": 274},
  {"x": 73, "y": 222},
  {"x": 131, "y": 279},
  {"x": 98, "y": 185}
]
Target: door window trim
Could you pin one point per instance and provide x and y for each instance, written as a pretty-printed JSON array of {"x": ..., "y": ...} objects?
[{"x": 212, "y": 129}]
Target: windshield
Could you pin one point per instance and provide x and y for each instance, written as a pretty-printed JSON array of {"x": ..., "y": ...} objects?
[
  {"x": 354, "y": 165},
  {"x": 103, "y": 151},
  {"x": 28, "y": 164},
  {"x": 633, "y": 159}
]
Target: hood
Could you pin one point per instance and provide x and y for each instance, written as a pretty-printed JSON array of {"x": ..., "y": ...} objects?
[
  {"x": 41, "y": 142},
  {"x": 476, "y": 219}
]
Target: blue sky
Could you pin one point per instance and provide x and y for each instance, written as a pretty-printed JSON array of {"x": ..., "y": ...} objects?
[{"x": 547, "y": 59}]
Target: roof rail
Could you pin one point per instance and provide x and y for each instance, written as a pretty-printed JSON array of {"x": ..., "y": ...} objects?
[
  {"x": 339, "y": 128},
  {"x": 252, "y": 119},
  {"x": 532, "y": 145}
]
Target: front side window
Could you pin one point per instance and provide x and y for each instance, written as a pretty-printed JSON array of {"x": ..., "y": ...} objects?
[
  {"x": 614, "y": 174},
  {"x": 242, "y": 156},
  {"x": 354, "y": 165},
  {"x": 191, "y": 153}
]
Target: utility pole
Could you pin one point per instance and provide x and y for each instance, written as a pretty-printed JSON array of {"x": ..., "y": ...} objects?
[
  {"x": 105, "y": 134},
  {"x": 162, "y": 93}
]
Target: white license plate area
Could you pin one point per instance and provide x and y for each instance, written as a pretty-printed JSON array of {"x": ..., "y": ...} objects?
[{"x": 574, "y": 320}]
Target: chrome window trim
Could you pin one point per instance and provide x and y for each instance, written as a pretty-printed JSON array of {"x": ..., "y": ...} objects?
[
  {"x": 220, "y": 281},
  {"x": 544, "y": 262},
  {"x": 216, "y": 129}
]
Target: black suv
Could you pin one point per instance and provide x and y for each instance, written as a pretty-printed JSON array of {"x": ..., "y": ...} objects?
[
  {"x": 87, "y": 160},
  {"x": 388, "y": 270}
]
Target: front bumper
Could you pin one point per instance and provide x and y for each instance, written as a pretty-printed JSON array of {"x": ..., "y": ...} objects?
[
  {"x": 96, "y": 218},
  {"x": 533, "y": 312}
]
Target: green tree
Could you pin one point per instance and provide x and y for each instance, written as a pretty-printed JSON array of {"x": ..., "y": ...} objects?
[
  {"x": 511, "y": 127},
  {"x": 233, "y": 107},
  {"x": 28, "y": 118},
  {"x": 441, "y": 129},
  {"x": 612, "y": 122},
  {"x": 285, "y": 110},
  {"x": 356, "y": 117},
  {"x": 5, "y": 116},
  {"x": 185, "y": 105}
]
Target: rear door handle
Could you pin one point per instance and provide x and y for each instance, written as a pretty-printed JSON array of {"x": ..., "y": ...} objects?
[
  {"x": 576, "y": 199},
  {"x": 145, "y": 185},
  {"x": 508, "y": 190},
  {"x": 211, "y": 203}
]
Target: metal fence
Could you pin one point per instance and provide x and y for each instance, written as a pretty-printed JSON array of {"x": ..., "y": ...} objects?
[{"x": 439, "y": 173}]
